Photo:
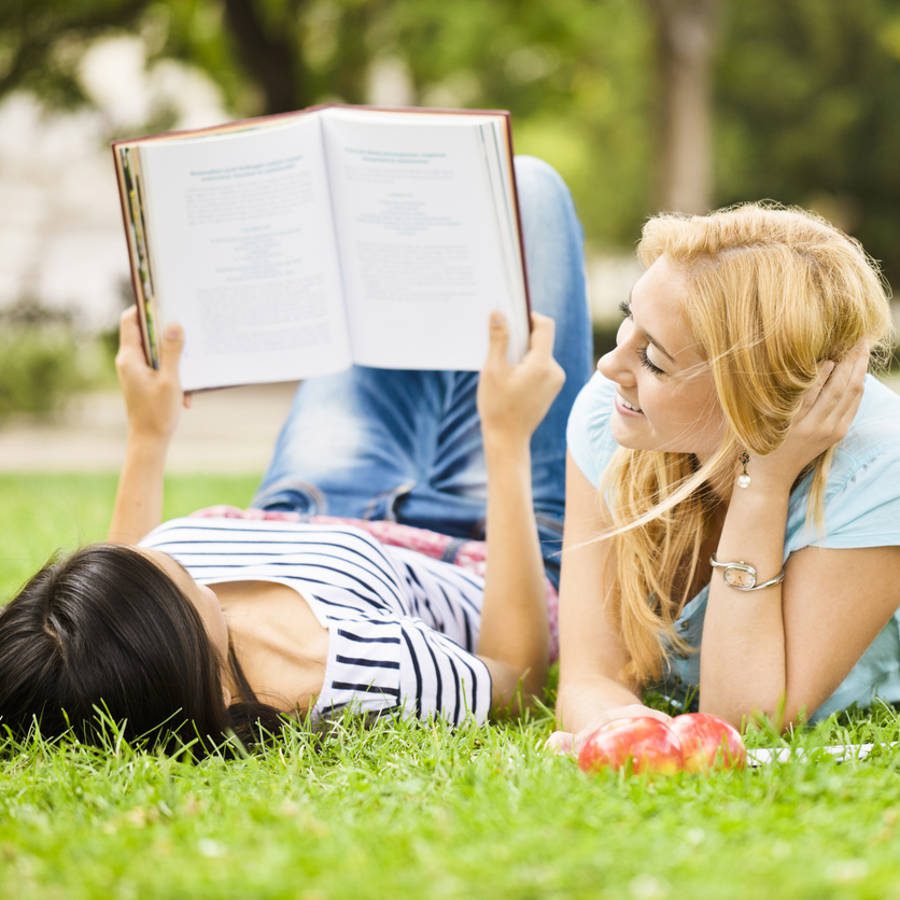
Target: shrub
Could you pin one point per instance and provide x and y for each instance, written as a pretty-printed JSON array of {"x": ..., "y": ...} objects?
[
  {"x": 42, "y": 359},
  {"x": 39, "y": 369}
]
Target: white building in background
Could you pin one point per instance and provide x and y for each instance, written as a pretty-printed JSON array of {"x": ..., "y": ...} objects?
[{"x": 61, "y": 238}]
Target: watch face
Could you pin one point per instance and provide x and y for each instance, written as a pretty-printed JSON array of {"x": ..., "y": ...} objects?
[{"x": 739, "y": 576}]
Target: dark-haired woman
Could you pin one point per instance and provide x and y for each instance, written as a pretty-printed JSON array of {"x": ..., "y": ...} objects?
[{"x": 329, "y": 593}]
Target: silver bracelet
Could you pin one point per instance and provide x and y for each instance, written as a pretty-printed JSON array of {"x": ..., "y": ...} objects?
[{"x": 742, "y": 576}]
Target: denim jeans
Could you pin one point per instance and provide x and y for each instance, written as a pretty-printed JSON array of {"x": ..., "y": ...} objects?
[{"x": 406, "y": 446}]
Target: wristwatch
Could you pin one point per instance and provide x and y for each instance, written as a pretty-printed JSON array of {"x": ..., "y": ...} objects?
[{"x": 742, "y": 576}]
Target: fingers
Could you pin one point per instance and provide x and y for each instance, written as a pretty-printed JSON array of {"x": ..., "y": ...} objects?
[
  {"x": 560, "y": 743},
  {"x": 131, "y": 346},
  {"x": 815, "y": 393},
  {"x": 831, "y": 402},
  {"x": 170, "y": 351},
  {"x": 825, "y": 371},
  {"x": 844, "y": 381},
  {"x": 129, "y": 329},
  {"x": 498, "y": 339},
  {"x": 835, "y": 379},
  {"x": 543, "y": 330},
  {"x": 847, "y": 381},
  {"x": 855, "y": 364},
  {"x": 130, "y": 356},
  {"x": 851, "y": 368},
  {"x": 848, "y": 375}
]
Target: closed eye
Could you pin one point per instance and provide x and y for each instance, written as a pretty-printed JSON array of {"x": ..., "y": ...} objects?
[
  {"x": 648, "y": 363},
  {"x": 625, "y": 309}
]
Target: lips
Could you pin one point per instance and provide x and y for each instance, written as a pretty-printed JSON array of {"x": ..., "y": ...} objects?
[{"x": 629, "y": 406}]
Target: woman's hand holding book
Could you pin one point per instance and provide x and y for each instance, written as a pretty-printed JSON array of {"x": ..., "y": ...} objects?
[
  {"x": 513, "y": 399},
  {"x": 153, "y": 397}
]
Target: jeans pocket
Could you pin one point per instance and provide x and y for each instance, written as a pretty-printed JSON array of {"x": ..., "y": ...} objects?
[{"x": 290, "y": 494}]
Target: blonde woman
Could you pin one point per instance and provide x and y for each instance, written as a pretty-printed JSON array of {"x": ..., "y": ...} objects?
[{"x": 732, "y": 522}]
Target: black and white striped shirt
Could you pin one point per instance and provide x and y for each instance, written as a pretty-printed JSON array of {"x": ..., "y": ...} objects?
[{"x": 402, "y": 627}]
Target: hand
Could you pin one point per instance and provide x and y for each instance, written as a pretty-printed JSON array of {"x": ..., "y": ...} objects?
[
  {"x": 153, "y": 397},
  {"x": 513, "y": 399},
  {"x": 564, "y": 742},
  {"x": 823, "y": 419}
]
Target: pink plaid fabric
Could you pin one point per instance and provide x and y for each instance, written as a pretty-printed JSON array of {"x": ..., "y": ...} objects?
[{"x": 471, "y": 555}]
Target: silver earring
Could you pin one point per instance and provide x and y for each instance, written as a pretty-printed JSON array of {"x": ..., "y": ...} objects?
[{"x": 744, "y": 478}]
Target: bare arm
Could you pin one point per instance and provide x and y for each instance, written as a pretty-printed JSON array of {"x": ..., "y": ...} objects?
[
  {"x": 153, "y": 399},
  {"x": 793, "y": 642},
  {"x": 512, "y": 400},
  {"x": 592, "y": 653},
  {"x": 139, "y": 496}
]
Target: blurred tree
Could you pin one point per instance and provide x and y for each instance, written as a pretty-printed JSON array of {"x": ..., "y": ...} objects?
[
  {"x": 41, "y": 42},
  {"x": 268, "y": 41},
  {"x": 804, "y": 94},
  {"x": 570, "y": 71},
  {"x": 685, "y": 40},
  {"x": 807, "y": 95}
]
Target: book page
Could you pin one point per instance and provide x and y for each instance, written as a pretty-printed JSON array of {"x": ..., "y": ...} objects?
[
  {"x": 424, "y": 253},
  {"x": 242, "y": 247}
]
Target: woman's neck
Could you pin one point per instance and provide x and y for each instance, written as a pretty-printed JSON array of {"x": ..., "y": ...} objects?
[{"x": 277, "y": 642}]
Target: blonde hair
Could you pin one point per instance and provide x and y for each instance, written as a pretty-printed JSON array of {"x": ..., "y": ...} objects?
[{"x": 771, "y": 293}]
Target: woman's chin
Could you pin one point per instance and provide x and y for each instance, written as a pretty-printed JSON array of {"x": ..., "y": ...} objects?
[{"x": 626, "y": 434}]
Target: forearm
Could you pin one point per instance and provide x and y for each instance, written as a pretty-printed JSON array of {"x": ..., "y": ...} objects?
[
  {"x": 514, "y": 614},
  {"x": 743, "y": 666},
  {"x": 139, "y": 497}
]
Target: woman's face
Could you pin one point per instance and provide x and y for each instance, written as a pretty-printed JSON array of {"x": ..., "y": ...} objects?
[
  {"x": 201, "y": 597},
  {"x": 666, "y": 398}
]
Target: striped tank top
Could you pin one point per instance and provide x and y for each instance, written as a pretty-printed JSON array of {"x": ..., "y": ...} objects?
[{"x": 402, "y": 626}]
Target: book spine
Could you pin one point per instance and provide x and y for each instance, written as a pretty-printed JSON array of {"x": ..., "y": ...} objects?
[
  {"x": 511, "y": 156},
  {"x": 134, "y": 205}
]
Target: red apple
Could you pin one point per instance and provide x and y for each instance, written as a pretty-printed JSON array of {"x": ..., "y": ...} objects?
[
  {"x": 647, "y": 744},
  {"x": 709, "y": 742}
]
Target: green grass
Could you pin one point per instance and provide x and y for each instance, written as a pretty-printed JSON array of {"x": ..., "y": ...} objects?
[{"x": 402, "y": 809}]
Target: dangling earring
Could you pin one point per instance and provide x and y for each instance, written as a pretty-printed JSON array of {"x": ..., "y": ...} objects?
[{"x": 744, "y": 478}]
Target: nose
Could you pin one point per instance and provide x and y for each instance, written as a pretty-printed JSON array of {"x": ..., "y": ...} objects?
[{"x": 616, "y": 365}]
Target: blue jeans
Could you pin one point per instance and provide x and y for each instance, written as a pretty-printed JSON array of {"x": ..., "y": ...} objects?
[{"x": 406, "y": 446}]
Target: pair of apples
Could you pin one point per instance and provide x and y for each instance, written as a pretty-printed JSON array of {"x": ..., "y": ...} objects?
[{"x": 694, "y": 742}]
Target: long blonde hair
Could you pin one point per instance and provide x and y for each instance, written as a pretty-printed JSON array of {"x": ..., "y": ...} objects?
[{"x": 771, "y": 293}]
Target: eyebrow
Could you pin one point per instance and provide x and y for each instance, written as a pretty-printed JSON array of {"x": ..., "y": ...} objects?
[{"x": 626, "y": 308}]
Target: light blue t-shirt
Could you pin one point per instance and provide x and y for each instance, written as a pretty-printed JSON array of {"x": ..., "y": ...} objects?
[{"x": 862, "y": 509}]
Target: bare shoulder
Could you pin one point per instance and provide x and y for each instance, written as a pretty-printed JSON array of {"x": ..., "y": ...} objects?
[{"x": 281, "y": 645}]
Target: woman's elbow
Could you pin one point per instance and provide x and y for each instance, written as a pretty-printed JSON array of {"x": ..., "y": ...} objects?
[
  {"x": 531, "y": 683},
  {"x": 780, "y": 714},
  {"x": 516, "y": 689}
]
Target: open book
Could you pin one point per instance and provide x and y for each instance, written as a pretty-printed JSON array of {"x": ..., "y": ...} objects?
[{"x": 295, "y": 245}]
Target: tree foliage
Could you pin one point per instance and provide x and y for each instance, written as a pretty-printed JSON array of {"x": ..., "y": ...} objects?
[
  {"x": 41, "y": 42},
  {"x": 807, "y": 100},
  {"x": 803, "y": 102}
]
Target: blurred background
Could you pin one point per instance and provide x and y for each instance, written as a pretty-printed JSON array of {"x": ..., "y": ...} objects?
[{"x": 640, "y": 104}]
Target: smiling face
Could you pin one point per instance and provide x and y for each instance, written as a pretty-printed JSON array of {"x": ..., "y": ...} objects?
[{"x": 666, "y": 398}]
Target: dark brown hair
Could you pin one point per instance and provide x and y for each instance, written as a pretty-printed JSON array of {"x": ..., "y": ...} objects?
[{"x": 107, "y": 632}]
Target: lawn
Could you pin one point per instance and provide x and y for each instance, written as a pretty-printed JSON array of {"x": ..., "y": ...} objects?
[{"x": 415, "y": 810}]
